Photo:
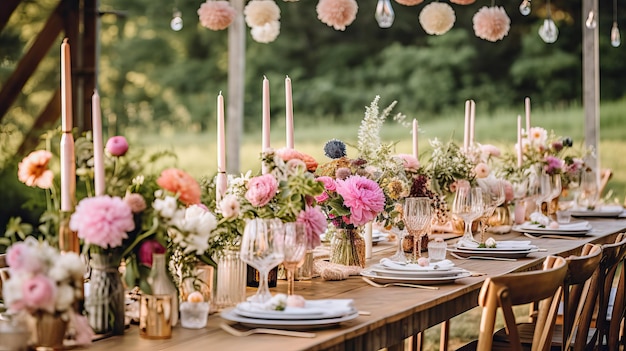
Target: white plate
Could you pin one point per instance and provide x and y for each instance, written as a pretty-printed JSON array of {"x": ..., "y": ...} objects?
[
  {"x": 444, "y": 265},
  {"x": 608, "y": 213},
  {"x": 578, "y": 228},
  {"x": 307, "y": 324},
  {"x": 378, "y": 268},
  {"x": 496, "y": 249},
  {"x": 383, "y": 278},
  {"x": 500, "y": 254},
  {"x": 314, "y": 309}
]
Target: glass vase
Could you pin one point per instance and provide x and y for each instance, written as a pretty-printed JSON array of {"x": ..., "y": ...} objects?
[
  {"x": 104, "y": 302},
  {"x": 161, "y": 284},
  {"x": 305, "y": 272},
  {"x": 347, "y": 247},
  {"x": 231, "y": 279}
]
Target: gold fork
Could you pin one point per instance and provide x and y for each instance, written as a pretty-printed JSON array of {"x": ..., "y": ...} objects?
[
  {"x": 230, "y": 330},
  {"x": 373, "y": 283},
  {"x": 550, "y": 236}
]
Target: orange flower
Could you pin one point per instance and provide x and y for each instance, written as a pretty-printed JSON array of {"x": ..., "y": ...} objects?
[
  {"x": 33, "y": 170},
  {"x": 290, "y": 154},
  {"x": 181, "y": 183}
]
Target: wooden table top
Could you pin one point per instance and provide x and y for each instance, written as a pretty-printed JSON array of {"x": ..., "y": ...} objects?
[{"x": 396, "y": 312}]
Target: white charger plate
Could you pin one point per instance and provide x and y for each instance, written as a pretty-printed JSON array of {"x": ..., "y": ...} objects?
[
  {"x": 314, "y": 309},
  {"x": 383, "y": 278},
  {"x": 301, "y": 324},
  {"x": 378, "y": 268},
  {"x": 499, "y": 254},
  {"x": 562, "y": 230},
  {"x": 598, "y": 213}
]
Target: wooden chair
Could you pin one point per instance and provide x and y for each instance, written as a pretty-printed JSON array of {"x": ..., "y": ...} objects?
[
  {"x": 4, "y": 274},
  {"x": 504, "y": 292}
]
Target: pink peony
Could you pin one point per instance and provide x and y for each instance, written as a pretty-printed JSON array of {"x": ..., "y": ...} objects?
[
  {"x": 216, "y": 15},
  {"x": 482, "y": 170},
  {"x": 22, "y": 257},
  {"x": 33, "y": 170},
  {"x": 102, "y": 220},
  {"x": 179, "y": 182},
  {"x": 261, "y": 190},
  {"x": 489, "y": 150},
  {"x": 136, "y": 202},
  {"x": 337, "y": 13},
  {"x": 315, "y": 222},
  {"x": 363, "y": 197},
  {"x": 117, "y": 146},
  {"x": 39, "y": 292},
  {"x": 410, "y": 162},
  {"x": 146, "y": 250},
  {"x": 329, "y": 183},
  {"x": 491, "y": 23}
]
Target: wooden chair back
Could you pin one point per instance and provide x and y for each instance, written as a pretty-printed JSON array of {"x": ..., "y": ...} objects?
[
  {"x": 612, "y": 255},
  {"x": 504, "y": 292},
  {"x": 4, "y": 271}
]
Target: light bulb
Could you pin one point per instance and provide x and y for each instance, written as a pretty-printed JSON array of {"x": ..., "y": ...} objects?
[
  {"x": 177, "y": 21},
  {"x": 548, "y": 31},
  {"x": 615, "y": 37},
  {"x": 591, "y": 20},
  {"x": 384, "y": 14},
  {"x": 524, "y": 7}
]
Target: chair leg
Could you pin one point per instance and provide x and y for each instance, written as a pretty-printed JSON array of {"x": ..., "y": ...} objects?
[{"x": 445, "y": 335}]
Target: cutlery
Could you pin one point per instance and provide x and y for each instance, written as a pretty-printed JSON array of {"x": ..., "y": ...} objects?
[
  {"x": 483, "y": 258},
  {"x": 235, "y": 332},
  {"x": 551, "y": 236},
  {"x": 373, "y": 283}
]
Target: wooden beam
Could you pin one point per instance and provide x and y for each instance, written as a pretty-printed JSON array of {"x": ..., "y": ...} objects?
[
  {"x": 86, "y": 65},
  {"x": 591, "y": 82},
  {"x": 236, "y": 89},
  {"x": 30, "y": 61},
  {"x": 6, "y": 10},
  {"x": 45, "y": 120}
]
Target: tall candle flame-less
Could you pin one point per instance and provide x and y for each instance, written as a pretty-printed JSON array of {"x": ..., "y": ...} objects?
[{"x": 221, "y": 181}]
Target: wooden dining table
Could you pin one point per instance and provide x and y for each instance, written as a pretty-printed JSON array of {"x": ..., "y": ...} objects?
[{"x": 392, "y": 313}]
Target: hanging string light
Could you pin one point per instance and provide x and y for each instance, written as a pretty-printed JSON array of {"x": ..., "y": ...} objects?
[
  {"x": 548, "y": 30},
  {"x": 384, "y": 14},
  {"x": 615, "y": 37}
]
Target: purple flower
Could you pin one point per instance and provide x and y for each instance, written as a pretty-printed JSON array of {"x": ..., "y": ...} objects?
[
  {"x": 102, "y": 220},
  {"x": 553, "y": 164},
  {"x": 117, "y": 146}
]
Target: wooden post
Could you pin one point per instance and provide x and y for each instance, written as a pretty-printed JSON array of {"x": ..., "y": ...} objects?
[
  {"x": 236, "y": 75},
  {"x": 591, "y": 81}
]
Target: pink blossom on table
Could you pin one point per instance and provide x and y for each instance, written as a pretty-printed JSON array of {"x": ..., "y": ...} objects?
[
  {"x": 491, "y": 23},
  {"x": 39, "y": 292},
  {"x": 147, "y": 248},
  {"x": 575, "y": 166},
  {"x": 216, "y": 15},
  {"x": 557, "y": 145},
  {"x": 23, "y": 257},
  {"x": 261, "y": 190},
  {"x": 488, "y": 150},
  {"x": 33, "y": 170},
  {"x": 459, "y": 184},
  {"x": 329, "y": 183},
  {"x": 136, "y": 202},
  {"x": 482, "y": 170},
  {"x": 230, "y": 206},
  {"x": 321, "y": 198},
  {"x": 363, "y": 197},
  {"x": 102, "y": 221},
  {"x": 409, "y": 162},
  {"x": 117, "y": 146},
  {"x": 553, "y": 164},
  {"x": 337, "y": 13},
  {"x": 315, "y": 224},
  {"x": 179, "y": 182}
]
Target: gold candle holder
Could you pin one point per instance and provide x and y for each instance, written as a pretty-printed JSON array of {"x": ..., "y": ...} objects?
[
  {"x": 155, "y": 316},
  {"x": 68, "y": 239}
]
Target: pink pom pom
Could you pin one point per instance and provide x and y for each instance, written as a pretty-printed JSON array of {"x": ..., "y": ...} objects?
[
  {"x": 216, "y": 15},
  {"x": 337, "y": 13},
  {"x": 491, "y": 23}
]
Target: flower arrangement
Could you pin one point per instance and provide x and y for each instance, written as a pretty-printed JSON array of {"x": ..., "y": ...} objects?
[{"x": 447, "y": 167}]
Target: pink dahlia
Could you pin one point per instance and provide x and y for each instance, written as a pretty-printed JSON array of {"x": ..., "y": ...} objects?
[
  {"x": 363, "y": 197},
  {"x": 179, "y": 182},
  {"x": 491, "y": 23},
  {"x": 216, "y": 15},
  {"x": 33, "y": 170},
  {"x": 102, "y": 220},
  {"x": 261, "y": 190},
  {"x": 337, "y": 13},
  {"x": 315, "y": 223}
]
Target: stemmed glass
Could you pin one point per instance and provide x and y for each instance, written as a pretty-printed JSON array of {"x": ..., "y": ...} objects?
[
  {"x": 468, "y": 205},
  {"x": 417, "y": 216},
  {"x": 588, "y": 195},
  {"x": 399, "y": 256},
  {"x": 555, "y": 189},
  {"x": 262, "y": 248},
  {"x": 294, "y": 248},
  {"x": 493, "y": 196},
  {"x": 540, "y": 190}
]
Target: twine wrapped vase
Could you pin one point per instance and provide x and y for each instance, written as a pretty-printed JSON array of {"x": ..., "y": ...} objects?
[
  {"x": 347, "y": 247},
  {"x": 50, "y": 330},
  {"x": 105, "y": 301}
]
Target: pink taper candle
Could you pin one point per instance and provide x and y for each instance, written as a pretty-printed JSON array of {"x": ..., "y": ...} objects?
[
  {"x": 266, "y": 114},
  {"x": 415, "y": 128},
  {"x": 289, "y": 113},
  {"x": 68, "y": 163},
  {"x": 221, "y": 181},
  {"x": 472, "y": 122},
  {"x": 519, "y": 141},
  {"x": 527, "y": 110},
  {"x": 98, "y": 145},
  {"x": 466, "y": 126}
]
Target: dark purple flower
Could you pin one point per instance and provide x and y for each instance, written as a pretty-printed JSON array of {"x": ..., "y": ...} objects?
[
  {"x": 117, "y": 146},
  {"x": 553, "y": 165},
  {"x": 557, "y": 146},
  {"x": 335, "y": 149},
  {"x": 146, "y": 250}
]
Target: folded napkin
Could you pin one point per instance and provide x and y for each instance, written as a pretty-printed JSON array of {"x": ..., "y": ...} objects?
[
  {"x": 311, "y": 307},
  {"x": 445, "y": 264},
  {"x": 574, "y": 226},
  {"x": 504, "y": 244}
]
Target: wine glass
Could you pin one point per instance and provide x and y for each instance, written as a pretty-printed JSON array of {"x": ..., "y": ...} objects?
[
  {"x": 468, "y": 205},
  {"x": 399, "y": 256},
  {"x": 555, "y": 189},
  {"x": 540, "y": 190},
  {"x": 588, "y": 195},
  {"x": 262, "y": 248},
  {"x": 294, "y": 248},
  {"x": 493, "y": 196},
  {"x": 417, "y": 216}
]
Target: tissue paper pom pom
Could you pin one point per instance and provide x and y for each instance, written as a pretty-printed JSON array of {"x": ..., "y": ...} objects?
[
  {"x": 491, "y": 23},
  {"x": 462, "y": 2},
  {"x": 260, "y": 12},
  {"x": 409, "y": 2},
  {"x": 337, "y": 13},
  {"x": 266, "y": 33},
  {"x": 437, "y": 18},
  {"x": 216, "y": 15}
]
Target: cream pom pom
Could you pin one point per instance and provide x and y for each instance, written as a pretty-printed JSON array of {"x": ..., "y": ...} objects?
[
  {"x": 266, "y": 33},
  {"x": 437, "y": 18},
  {"x": 216, "y": 15},
  {"x": 409, "y": 2},
  {"x": 337, "y": 13},
  {"x": 462, "y": 2},
  {"x": 491, "y": 23},
  {"x": 260, "y": 12}
]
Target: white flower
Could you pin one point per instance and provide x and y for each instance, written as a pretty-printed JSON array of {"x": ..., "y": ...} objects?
[
  {"x": 12, "y": 288},
  {"x": 538, "y": 136},
  {"x": 278, "y": 302},
  {"x": 67, "y": 267},
  {"x": 64, "y": 298},
  {"x": 266, "y": 33},
  {"x": 196, "y": 243},
  {"x": 491, "y": 242},
  {"x": 540, "y": 218},
  {"x": 229, "y": 206},
  {"x": 166, "y": 207}
]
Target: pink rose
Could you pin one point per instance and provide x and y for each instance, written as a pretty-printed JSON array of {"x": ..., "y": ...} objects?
[
  {"x": 482, "y": 170},
  {"x": 410, "y": 163},
  {"x": 261, "y": 189},
  {"x": 39, "y": 292},
  {"x": 117, "y": 146}
]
